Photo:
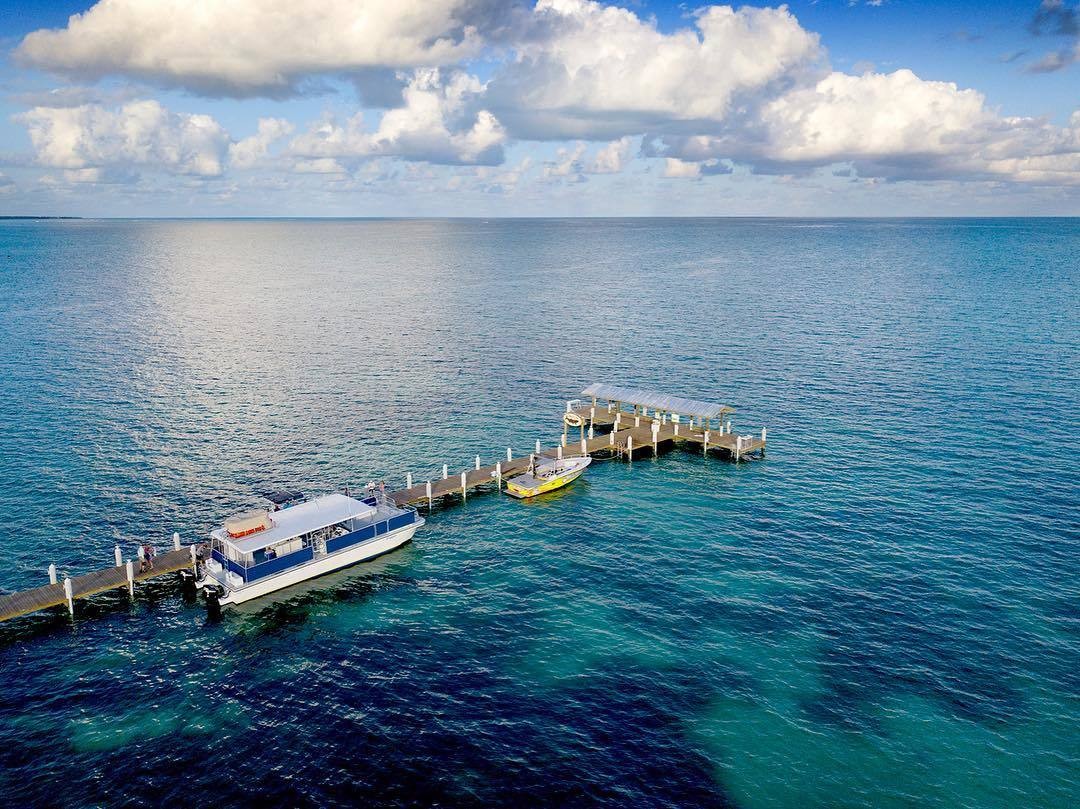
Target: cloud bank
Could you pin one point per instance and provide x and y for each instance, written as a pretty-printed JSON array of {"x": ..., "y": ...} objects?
[{"x": 733, "y": 87}]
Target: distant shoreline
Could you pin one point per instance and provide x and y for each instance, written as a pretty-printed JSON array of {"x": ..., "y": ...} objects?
[{"x": 39, "y": 217}]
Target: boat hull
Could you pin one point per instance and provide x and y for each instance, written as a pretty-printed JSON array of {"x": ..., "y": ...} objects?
[{"x": 320, "y": 566}]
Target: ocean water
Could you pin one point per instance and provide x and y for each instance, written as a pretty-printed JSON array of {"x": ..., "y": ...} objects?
[{"x": 884, "y": 612}]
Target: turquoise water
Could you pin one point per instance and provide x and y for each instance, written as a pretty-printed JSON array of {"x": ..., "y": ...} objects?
[{"x": 884, "y": 612}]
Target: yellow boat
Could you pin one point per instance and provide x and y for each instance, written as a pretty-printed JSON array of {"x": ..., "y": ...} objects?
[{"x": 547, "y": 477}]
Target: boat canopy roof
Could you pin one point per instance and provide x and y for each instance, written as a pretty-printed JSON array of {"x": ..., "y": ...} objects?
[
  {"x": 300, "y": 519},
  {"x": 658, "y": 401}
]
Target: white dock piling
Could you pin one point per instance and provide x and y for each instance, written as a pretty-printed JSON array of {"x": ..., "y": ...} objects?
[
  {"x": 655, "y": 436},
  {"x": 498, "y": 476},
  {"x": 477, "y": 461},
  {"x": 69, "y": 595},
  {"x": 630, "y": 447},
  {"x": 52, "y": 574},
  {"x": 408, "y": 480},
  {"x": 117, "y": 556},
  {"x": 509, "y": 455},
  {"x": 762, "y": 435},
  {"x": 537, "y": 446},
  {"x": 738, "y": 446},
  {"x": 194, "y": 560},
  {"x": 676, "y": 429},
  {"x": 569, "y": 407},
  {"x": 584, "y": 447},
  {"x": 429, "y": 501},
  {"x": 706, "y": 444},
  {"x": 591, "y": 433},
  {"x": 637, "y": 421},
  {"x": 463, "y": 492},
  {"x": 563, "y": 439},
  {"x": 131, "y": 578},
  {"x": 558, "y": 450},
  {"x": 445, "y": 472},
  {"x": 176, "y": 540},
  {"x": 611, "y": 439}
]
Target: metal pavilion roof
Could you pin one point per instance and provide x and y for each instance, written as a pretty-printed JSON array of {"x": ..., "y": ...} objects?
[{"x": 659, "y": 401}]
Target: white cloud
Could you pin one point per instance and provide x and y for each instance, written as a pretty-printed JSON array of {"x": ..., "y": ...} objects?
[
  {"x": 318, "y": 165},
  {"x": 251, "y": 150},
  {"x": 7, "y": 185},
  {"x": 245, "y": 47},
  {"x": 605, "y": 72},
  {"x": 681, "y": 169},
  {"x": 611, "y": 159},
  {"x": 140, "y": 133},
  {"x": 438, "y": 123}
]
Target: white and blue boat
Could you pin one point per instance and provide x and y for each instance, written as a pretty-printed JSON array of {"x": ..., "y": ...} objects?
[{"x": 263, "y": 551}]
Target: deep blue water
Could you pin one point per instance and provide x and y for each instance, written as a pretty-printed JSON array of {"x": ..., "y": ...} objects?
[{"x": 884, "y": 612}]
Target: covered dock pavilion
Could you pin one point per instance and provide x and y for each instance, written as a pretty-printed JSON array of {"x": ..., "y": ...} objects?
[{"x": 607, "y": 405}]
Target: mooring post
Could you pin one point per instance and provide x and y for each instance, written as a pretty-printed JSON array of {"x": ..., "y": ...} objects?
[
  {"x": 429, "y": 501},
  {"x": 676, "y": 429},
  {"x": 69, "y": 595},
  {"x": 463, "y": 495},
  {"x": 564, "y": 439},
  {"x": 729, "y": 427},
  {"x": 131, "y": 578},
  {"x": 611, "y": 438},
  {"x": 176, "y": 540},
  {"x": 445, "y": 472},
  {"x": 762, "y": 442},
  {"x": 584, "y": 447},
  {"x": 52, "y": 574},
  {"x": 706, "y": 444},
  {"x": 630, "y": 447},
  {"x": 408, "y": 480},
  {"x": 558, "y": 451},
  {"x": 117, "y": 556},
  {"x": 498, "y": 476},
  {"x": 194, "y": 560},
  {"x": 591, "y": 436},
  {"x": 738, "y": 447},
  {"x": 509, "y": 455},
  {"x": 655, "y": 436},
  {"x": 477, "y": 461},
  {"x": 569, "y": 409},
  {"x": 637, "y": 421}
]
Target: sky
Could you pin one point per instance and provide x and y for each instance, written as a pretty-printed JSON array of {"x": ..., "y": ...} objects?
[{"x": 539, "y": 108}]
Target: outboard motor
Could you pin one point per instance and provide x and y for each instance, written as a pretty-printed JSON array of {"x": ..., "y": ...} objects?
[
  {"x": 213, "y": 601},
  {"x": 187, "y": 584}
]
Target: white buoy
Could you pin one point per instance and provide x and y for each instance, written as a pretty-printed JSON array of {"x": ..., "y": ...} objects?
[
  {"x": 445, "y": 472},
  {"x": 429, "y": 495},
  {"x": 408, "y": 480},
  {"x": 69, "y": 595},
  {"x": 477, "y": 461},
  {"x": 52, "y": 574},
  {"x": 176, "y": 540},
  {"x": 117, "y": 556},
  {"x": 131, "y": 578},
  {"x": 463, "y": 486}
]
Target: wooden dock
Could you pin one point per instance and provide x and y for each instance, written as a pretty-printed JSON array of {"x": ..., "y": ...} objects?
[
  {"x": 592, "y": 428},
  {"x": 88, "y": 584}
]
